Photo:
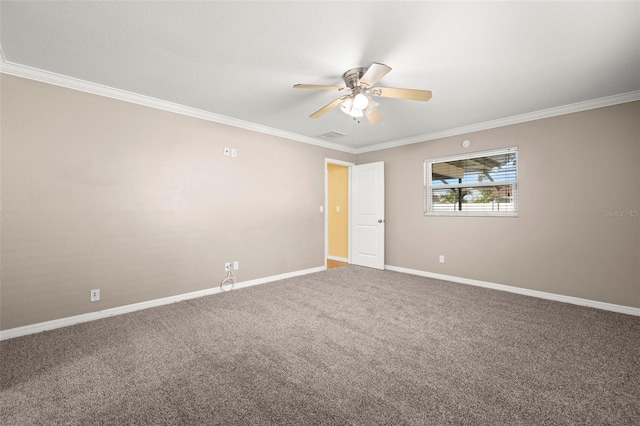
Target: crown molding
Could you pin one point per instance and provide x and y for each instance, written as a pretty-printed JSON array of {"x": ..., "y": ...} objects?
[
  {"x": 123, "y": 95},
  {"x": 36, "y": 74},
  {"x": 516, "y": 119}
]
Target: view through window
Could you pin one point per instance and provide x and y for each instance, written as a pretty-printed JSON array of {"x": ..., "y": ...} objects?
[{"x": 476, "y": 184}]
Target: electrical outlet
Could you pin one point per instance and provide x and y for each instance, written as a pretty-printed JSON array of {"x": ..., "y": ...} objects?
[
  {"x": 227, "y": 266},
  {"x": 234, "y": 152},
  {"x": 441, "y": 258},
  {"x": 95, "y": 295},
  {"x": 236, "y": 265}
]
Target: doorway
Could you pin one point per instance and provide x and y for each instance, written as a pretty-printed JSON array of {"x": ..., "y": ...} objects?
[
  {"x": 365, "y": 208},
  {"x": 337, "y": 215}
]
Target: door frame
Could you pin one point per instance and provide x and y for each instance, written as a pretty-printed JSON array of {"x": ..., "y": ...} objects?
[{"x": 347, "y": 164}]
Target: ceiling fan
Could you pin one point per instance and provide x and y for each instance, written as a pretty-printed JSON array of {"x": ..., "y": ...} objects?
[{"x": 359, "y": 101}]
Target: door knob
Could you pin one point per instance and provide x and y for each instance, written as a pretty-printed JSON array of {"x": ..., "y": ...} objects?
[{"x": 380, "y": 220}]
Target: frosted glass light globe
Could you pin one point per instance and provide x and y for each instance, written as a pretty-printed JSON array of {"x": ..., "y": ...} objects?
[{"x": 360, "y": 101}]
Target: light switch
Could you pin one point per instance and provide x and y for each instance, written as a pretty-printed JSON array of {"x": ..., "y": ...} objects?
[
  {"x": 337, "y": 209},
  {"x": 321, "y": 209}
]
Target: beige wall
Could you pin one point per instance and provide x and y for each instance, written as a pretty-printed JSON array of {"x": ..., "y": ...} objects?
[
  {"x": 338, "y": 186},
  {"x": 575, "y": 172},
  {"x": 142, "y": 203}
]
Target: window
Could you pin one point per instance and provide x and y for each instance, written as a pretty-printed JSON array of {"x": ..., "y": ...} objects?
[{"x": 475, "y": 184}]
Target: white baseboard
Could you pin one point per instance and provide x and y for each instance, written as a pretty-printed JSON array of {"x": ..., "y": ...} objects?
[
  {"x": 534, "y": 293},
  {"x": 64, "y": 322},
  {"x": 338, "y": 259}
]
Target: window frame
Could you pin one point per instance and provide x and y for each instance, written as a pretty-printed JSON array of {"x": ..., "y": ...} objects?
[{"x": 428, "y": 186}]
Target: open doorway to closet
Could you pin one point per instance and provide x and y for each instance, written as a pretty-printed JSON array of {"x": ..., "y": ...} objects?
[{"x": 337, "y": 202}]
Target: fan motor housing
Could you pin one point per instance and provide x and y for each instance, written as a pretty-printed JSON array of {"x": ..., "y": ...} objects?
[{"x": 352, "y": 77}]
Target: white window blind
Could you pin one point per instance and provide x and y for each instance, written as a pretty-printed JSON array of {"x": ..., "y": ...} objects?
[{"x": 475, "y": 184}]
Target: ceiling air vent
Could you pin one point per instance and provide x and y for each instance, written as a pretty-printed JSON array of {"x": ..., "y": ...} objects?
[{"x": 332, "y": 135}]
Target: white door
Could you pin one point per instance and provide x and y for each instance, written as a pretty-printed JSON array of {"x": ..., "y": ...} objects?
[{"x": 367, "y": 206}]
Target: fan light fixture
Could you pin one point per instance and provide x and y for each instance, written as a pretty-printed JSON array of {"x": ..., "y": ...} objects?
[
  {"x": 348, "y": 107},
  {"x": 360, "y": 101},
  {"x": 355, "y": 104}
]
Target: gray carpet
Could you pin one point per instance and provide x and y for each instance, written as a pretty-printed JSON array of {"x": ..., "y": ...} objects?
[{"x": 349, "y": 346}]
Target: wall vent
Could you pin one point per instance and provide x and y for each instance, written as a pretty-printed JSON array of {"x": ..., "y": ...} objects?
[{"x": 332, "y": 135}]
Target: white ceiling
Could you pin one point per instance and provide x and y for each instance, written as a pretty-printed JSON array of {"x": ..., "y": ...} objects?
[{"x": 483, "y": 61}]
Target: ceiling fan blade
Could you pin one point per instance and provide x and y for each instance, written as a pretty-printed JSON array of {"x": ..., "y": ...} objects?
[
  {"x": 326, "y": 108},
  {"x": 412, "y": 94},
  {"x": 373, "y": 116},
  {"x": 319, "y": 86},
  {"x": 374, "y": 73}
]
